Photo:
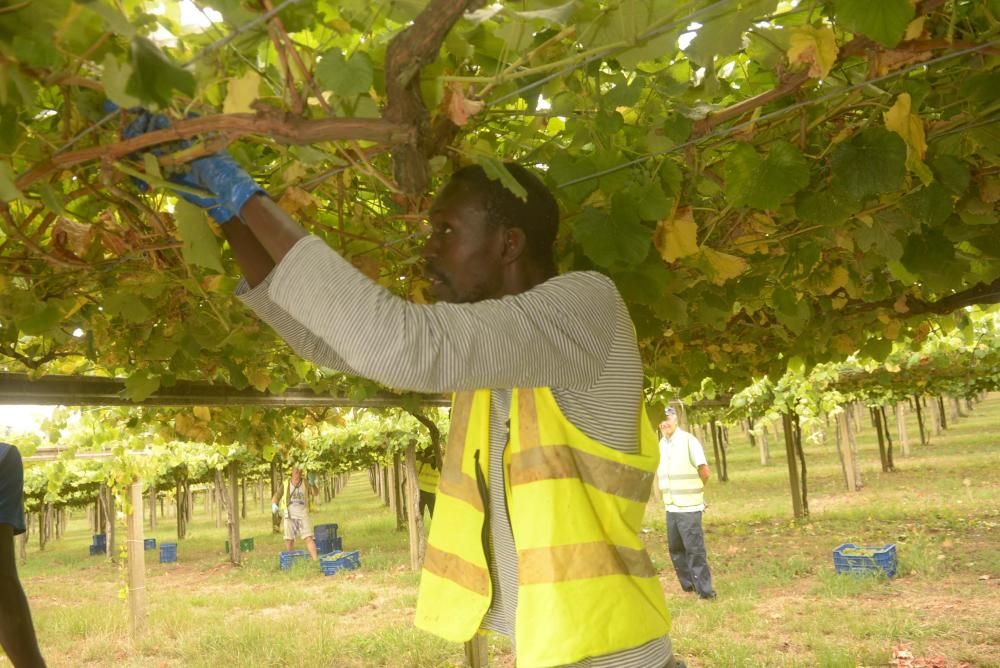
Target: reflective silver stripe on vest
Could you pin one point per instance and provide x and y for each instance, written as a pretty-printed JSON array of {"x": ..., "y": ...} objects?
[
  {"x": 553, "y": 462},
  {"x": 561, "y": 563},
  {"x": 453, "y": 481},
  {"x": 458, "y": 570}
]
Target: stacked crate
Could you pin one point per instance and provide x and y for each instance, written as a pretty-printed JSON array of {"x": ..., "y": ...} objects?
[
  {"x": 149, "y": 544},
  {"x": 99, "y": 544},
  {"x": 326, "y": 538},
  {"x": 168, "y": 553}
]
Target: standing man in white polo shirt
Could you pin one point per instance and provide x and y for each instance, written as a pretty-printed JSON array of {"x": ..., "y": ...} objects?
[{"x": 682, "y": 473}]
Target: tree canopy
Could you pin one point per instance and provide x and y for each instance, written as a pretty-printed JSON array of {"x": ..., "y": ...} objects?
[{"x": 770, "y": 183}]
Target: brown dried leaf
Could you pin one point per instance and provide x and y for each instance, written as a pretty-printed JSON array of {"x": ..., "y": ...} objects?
[
  {"x": 72, "y": 236},
  {"x": 113, "y": 242},
  {"x": 460, "y": 109},
  {"x": 887, "y": 61}
]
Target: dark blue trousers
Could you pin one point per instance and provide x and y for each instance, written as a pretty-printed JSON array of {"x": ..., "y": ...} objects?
[{"x": 687, "y": 550}]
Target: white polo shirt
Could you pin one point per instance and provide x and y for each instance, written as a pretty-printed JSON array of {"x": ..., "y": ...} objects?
[{"x": 675, "y": 445}]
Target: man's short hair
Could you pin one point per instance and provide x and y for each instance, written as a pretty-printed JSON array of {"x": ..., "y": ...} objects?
[{"x": 538, "y": 216}]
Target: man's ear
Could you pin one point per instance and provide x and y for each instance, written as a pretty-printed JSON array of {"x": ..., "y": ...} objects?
[{"x": 514, "y": 244}]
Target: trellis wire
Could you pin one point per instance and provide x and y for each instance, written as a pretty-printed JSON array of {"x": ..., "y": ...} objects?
[
  {"x": 722, "y": 132},
  {"x": 214, "y": 46}
]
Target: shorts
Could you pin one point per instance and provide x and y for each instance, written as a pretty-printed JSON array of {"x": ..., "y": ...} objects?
[{"x": 297, "y": 527}]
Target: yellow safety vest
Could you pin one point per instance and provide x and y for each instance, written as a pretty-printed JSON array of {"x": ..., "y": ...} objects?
[
  {"x": 681, "y": 486},
  {"x": 586, "y": 586},
  {"x": 427, "y": 478}
]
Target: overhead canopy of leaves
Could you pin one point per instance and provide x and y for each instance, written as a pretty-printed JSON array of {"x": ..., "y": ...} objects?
[{"x": 764, "y": 180}]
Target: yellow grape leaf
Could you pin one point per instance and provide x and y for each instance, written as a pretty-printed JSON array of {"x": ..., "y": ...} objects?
[
  {"x": 418, "y": 291},
  {"x": 203, "y": 413},
  {"x": 241, "y": 93},
  {"x": 211, "y": 283},
  {"x": 915, "y": 29},
  {"x": 677, "y": 237},
  {"x": 183, "y": 423},
  {"x": 724, "y": 266},
  {"x": 296, "y": 200},
  {"x": 295, "y": 173},
  {"x": 816, "y": 47},
  {"x": 843, "y": 344},
  {"x": 839, "y": 278},
  {"x": 839, "y": 302},
  {"x": 909, "y": 126},
  {"x": 892, "y": 329},
  {"x": 259, "y": 378}
]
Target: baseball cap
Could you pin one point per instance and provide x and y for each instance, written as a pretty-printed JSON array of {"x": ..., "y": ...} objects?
[{"x": 669, "y": 410}]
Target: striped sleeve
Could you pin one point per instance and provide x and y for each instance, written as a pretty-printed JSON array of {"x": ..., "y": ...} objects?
[
  {"x": 305, "y": 344},
  {"x": 557, "y": 334}
]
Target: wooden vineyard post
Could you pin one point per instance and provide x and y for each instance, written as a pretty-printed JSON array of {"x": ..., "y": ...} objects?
[
  {"x": 392, "y": 490},
  {"x": 234, "y": 512},
  {"x": 397, "y": 465},
  {"x": 135, "y": 546},
  {"x": 765, "y": 452},
  {"x": 152, "y": 506},
  {"x": 477, "y": 651},
  {"x": 847, "y": 461},
  {"x": 904, "y": 441},
  {"x": 793, "y": 472},
  {"x": 415, "y": 523}
]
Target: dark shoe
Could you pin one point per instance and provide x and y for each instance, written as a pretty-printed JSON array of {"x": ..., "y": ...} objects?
[
  {"x": 688, "y": 589},
  {"x": 707, "y": 597}
]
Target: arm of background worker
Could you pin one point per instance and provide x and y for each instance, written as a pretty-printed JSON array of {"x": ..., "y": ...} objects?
[
  {"x": 704, "y": 473},
  {"x": 17, "y": 633}
]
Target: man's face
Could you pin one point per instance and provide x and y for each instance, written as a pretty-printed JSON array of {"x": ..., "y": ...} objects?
[
  {"x": 669, "y": 425},
  {"x": 463, "y": 256}
]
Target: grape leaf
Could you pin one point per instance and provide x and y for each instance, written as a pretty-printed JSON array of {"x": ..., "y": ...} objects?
[
  {"x": 155, "y": 78},
  {"x": 871, "y": 162},
  {"x": 345, "y": 77},
  {"x": 884, "y": 21},
  {"x": 200, "y": 245},
  {"x": 763, "y": 183}
]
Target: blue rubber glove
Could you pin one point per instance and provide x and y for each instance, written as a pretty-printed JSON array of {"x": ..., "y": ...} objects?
[{"x": 218, "y": 173}]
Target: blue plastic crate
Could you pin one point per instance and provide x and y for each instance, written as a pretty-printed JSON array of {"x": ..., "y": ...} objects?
[
  {"x": 324, "y": 546},
  {"x": 340, "y": 561},
  {"x": 286, "y": 559},
  {"x": 168, "y": 553},
  {"x": 877, "y": 559},
  {"x": 98, "y": 549},
  {"x": 324, "y": 532},
  {"x": 149, "y": 544},
  {"x": 338, "y": 544},
  {"x": 99, "y": 539}
]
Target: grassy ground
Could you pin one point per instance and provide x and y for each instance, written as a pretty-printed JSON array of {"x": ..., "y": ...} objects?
[{"x": 780, "y": 603}]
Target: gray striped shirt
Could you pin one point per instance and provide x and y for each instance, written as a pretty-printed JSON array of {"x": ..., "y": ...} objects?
[{"x": 571, "y": 333}]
